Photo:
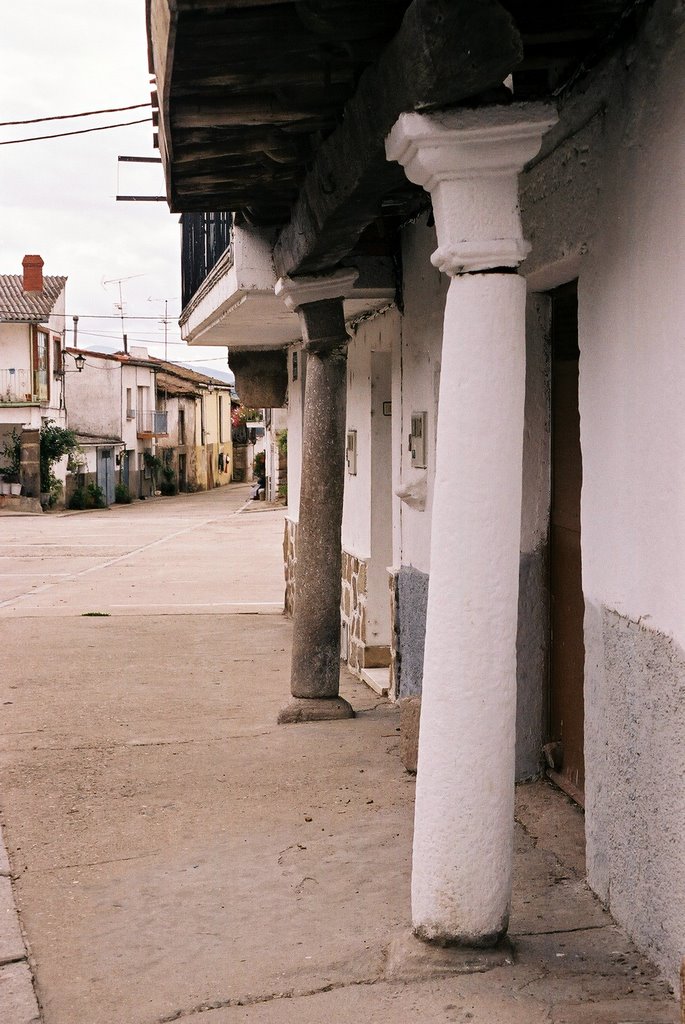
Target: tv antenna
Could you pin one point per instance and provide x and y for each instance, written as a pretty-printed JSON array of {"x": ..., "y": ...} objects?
[{"x": 120, "y": 304}]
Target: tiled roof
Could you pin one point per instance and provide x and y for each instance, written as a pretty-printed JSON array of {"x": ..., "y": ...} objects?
[{"x": 19, "y": 306}]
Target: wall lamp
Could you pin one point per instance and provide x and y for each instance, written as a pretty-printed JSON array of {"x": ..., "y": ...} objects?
[{"x": 79, "y": 360}]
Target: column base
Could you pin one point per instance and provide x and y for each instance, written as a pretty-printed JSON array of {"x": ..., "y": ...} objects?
[
  {"x": 432, "y": 937},
  {"x": 410, "y": 959},
  {"x": 316, "y": 709}
]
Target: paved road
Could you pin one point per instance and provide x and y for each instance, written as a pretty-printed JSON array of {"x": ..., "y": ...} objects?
[
  {"x": 169, "y": 555},
  {"x": 177, "y": 856}
]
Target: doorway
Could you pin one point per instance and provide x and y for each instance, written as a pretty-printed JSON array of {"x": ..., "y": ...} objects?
[
  {"x": 567, "y": 606},
  {"x": 105, "y": 473},
  {"x": 378, "y": 627}
]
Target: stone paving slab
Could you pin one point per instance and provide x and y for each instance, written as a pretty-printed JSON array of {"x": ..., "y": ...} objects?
[
  {"x": 18, "y": 1003},
  {"x": 11, "y": 939},
  {"x": 5, "y": 870}
]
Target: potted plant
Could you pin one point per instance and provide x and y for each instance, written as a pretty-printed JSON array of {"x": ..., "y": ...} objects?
[{"x": 11, "y": 452}]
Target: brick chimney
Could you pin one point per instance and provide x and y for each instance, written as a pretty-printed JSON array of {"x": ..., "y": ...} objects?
[{"x": 33, "y": 273}]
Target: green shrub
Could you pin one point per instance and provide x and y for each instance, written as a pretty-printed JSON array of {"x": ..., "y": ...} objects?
[
  {"x": 11, "y": 450},
  {"x": 96, "y": 496},
  {"x": 122, "y": 495},
  {"x": 79, "y": 498},
  {"x": 55, "y": 443}
]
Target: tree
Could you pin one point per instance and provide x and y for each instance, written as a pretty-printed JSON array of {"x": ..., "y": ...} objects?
[{"x": 55, "y": 443}]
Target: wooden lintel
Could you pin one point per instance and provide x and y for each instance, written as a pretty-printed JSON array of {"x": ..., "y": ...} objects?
[
  {"x": 445, "y": 52},
  {"x": 239, "y": 113}
]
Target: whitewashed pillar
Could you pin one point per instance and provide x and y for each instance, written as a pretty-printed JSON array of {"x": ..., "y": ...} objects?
[
  {"x": 469, "y": 161},
  {"x": 315, "y": 669}
]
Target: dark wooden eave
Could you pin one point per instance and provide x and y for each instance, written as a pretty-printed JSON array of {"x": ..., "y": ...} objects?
[{"x": 277, "y": 110}]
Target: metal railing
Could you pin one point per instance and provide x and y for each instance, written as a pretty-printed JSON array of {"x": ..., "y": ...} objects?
[
  {"x": 152, "y": 424},
  {"x": 16, "y": 386},
  {"x": 205, "y": 237}
]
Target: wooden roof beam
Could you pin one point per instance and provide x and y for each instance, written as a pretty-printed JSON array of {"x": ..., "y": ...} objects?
[{"x": 445, "y": 51}]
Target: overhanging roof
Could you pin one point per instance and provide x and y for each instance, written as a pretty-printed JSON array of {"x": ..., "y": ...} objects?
[{"x": 277, "y": 110}]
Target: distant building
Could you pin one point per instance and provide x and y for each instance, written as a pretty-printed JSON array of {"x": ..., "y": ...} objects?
[
  {"x": 147, "y": 424},
  {"x": 32, "y": 307}
]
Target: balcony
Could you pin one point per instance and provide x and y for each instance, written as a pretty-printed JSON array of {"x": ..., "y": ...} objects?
[
  {"x": 152, "y": 424},
  {"x": 205, "y": 237},
  {"x": 235, "y": 304},
  {"x": 17, "y": 387}
]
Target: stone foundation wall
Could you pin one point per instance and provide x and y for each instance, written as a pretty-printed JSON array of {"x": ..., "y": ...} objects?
[
  {"x": 410, "y": 625},
  {"x": 353, "y": 608},
  {"x": 634, "y": 792},
  {"x": 289, "y": 565},
  {"x": 395, "y": 657}
]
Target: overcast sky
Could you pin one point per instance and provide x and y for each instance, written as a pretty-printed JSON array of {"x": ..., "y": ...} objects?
[{"x": 57, "y": 196}]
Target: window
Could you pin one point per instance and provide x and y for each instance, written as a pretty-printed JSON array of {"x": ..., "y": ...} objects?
[
  {"x": 181, "y": 426},
  {"x": 130, "y": 411},
  {"x": 56, "y": 356},
  {"x": 40, "y": 366}
]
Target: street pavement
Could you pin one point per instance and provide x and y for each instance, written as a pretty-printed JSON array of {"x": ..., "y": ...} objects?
[{"x": 174, "y": 855}]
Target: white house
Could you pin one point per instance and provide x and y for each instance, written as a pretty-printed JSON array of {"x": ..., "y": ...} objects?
[
  {"x": 129, "y": 409},
  {"x": 31, "y": 362},
  {"x": 31, "y": 342},
  {"x": 483, "y": 366},
  {"x": 112, "y": 408}
]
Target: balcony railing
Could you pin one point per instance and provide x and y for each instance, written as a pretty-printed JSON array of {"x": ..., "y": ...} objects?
[
  {"x": 17, "y": 386},
  {"x": 152, "y": 424},
  {"x": 205, "y": 237}
]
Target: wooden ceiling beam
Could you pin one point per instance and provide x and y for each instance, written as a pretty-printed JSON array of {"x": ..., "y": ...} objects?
[
  {"x": 445, "y": 51},
  {"x": 252, "y": 110}
]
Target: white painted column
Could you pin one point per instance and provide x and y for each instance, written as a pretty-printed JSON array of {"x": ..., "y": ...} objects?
[{"x": 469, "y": 161}]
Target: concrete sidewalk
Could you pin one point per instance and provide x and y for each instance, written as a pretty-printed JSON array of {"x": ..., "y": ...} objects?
[{"x": 176, "y": 855}]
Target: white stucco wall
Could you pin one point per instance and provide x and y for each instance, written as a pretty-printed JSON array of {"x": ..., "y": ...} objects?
[
  {"x": 356, "y": 527},
  {"x": 15, "y": 346},
  {"x": 416, "y": 379},
  {"x": 295, "y": 406},
  {"x": 93, "y": 397},
  {"x": 16, "y": 352},
  {"x": 609, "y": 206}
]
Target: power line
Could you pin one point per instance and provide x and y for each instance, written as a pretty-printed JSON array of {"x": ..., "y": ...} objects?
[
  {"x": 66, "y": 117},
  {"x": 81, "y": 131},
  {"x": 82, "y": 316}
]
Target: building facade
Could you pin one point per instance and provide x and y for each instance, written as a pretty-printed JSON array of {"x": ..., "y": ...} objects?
[{"x": 480, "y": 304}]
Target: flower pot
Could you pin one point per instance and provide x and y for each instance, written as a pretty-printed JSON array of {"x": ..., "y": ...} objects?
[
  {"x": 15, "y": 489},
  {"x": 4, "y": 488}
]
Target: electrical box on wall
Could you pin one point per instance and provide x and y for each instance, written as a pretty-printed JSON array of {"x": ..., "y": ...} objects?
[
  {"x": 417, "y": 440},
  {"x": 351, "y": 452}
]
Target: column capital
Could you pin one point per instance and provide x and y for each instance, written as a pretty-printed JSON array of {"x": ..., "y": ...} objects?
[
  {"x": 300, "y": 291},
  {"x": 469, "y": 161}
]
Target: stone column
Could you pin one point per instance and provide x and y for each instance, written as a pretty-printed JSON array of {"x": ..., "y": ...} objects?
[
  {"x": 29, "y": 472},
  {"x": 315, "y": 671},
  {"x": 469, "y": 161}
]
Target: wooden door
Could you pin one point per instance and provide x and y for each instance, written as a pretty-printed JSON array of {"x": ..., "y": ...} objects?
[{"x": 567, "y": 652}]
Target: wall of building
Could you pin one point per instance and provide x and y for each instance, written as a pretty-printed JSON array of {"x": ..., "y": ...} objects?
[
  {"x": 416, "y": 353},
  {"x": 93, "y": 397},
  {"x": 17, "y": 354},
  {"x": 296, "y": 355},
  {"x": 368, "y": 503},
  {"x": 532, "y": 639},
  {"x": 607, "y": 207},
  {"x": 16, "y": 347}
]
